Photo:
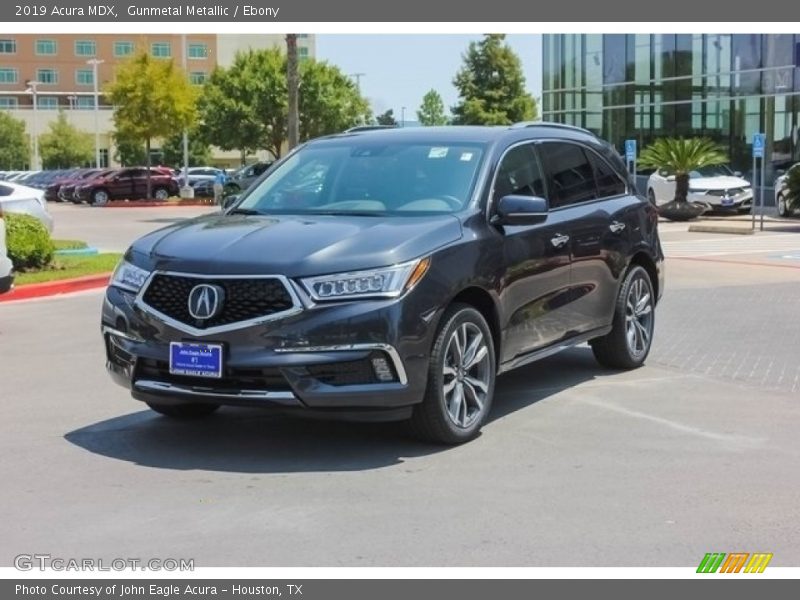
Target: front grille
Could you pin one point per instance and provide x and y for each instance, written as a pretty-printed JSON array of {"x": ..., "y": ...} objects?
[
  {"x": 233, "y": 379},
  {"x": 244, "y": 299},
  {"x": 722, "y": 193}
]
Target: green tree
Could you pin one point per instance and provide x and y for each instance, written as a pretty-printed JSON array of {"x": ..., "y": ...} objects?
[
  {"x": 491, "y": 86},
  {"x": 431, "y": 111},
  {"x": 129, "y": 152},
  {"x": 64, "y": 145},
  {"x": 199, "y": 150},
  {"x": 679, "y": 157},
  {"x": 245, "y": 106},
  {"x": 153, "y": 99},
  {"x": 14, "y": 148},
  {"x": 386, "y": 118},
  {"x": 329, "y": 101}
]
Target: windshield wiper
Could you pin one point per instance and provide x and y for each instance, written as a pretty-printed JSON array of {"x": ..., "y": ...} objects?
[
  {"x": 244, "y": 211},
  {"x": 346, "y": 213}
]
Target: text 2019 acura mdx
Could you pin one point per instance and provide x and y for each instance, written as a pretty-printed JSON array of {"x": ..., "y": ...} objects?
[{"x": 391, "y": 274}]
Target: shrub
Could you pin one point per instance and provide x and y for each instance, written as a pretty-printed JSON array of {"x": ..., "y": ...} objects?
[{"x": 28, "y": 241}]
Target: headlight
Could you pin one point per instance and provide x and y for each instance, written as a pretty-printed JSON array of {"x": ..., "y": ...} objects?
[
  {"x": 128, "y": 276},
  {"x": 387, "y": 282}
]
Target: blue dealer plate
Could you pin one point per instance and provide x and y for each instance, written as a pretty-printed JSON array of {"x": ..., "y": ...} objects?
[
  {"x": 727, "y": 201},
  {"x": 196, "y": 360}
]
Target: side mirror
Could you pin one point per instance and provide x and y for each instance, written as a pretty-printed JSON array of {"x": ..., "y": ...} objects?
[
  {"x": 737, "y": 173},
  {"x": 671, "y": 178},
  {"x": 229, "y": 201},
  {"x": 520, "y": 210}
]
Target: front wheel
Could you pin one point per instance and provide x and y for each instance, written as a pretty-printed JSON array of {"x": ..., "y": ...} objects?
[
  {"x": 161, "y": 193},
  {"x": 461, "y": 379},
  {"x": 100, "y": 198},
  {"x": 627, "y": 345},
  {"x": 183, "y": 411},
  {"x": 651, "y": 195}
]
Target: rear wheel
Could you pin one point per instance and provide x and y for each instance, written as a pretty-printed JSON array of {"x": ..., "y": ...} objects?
[
  {"x": 627, "y": 345},
  {"x": 183, "y": 411},
  {"x": 651, "y": 195},
  {"x": 461, "y": 379},
  {"x": 161, "y": 193}
]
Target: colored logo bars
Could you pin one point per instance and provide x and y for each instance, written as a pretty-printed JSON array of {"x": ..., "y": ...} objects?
[{"x": 734, "y": 563}]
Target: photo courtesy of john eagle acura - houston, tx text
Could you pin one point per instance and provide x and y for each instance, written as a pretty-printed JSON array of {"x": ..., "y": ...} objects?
[{"x": 391, "y": 274}]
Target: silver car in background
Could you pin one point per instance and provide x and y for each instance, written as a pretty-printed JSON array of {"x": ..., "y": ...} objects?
[{"x": 23, "y": 199}]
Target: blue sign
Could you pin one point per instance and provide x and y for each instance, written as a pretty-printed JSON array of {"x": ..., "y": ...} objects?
[
  {"x": 759, "y": 141},
  {"x": 630, "y": 150}
]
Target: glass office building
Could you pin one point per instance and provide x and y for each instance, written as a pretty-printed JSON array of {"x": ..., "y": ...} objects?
[{"x": 726, "y": 87}]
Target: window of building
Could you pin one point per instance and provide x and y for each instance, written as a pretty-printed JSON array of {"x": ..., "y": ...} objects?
[
  {"x": 8, "y": 46},
  {"x": 198, "y": 50},
  {"x": 197, "y": 77},
  {"x": 161, "y": 49},
  {"x": 47, "y": 76},
  {"x": 46, "y": 47},
  {"x": 614, "y": 60},
  {"x": 85, "y": 48},
  {"x": 47, "y": 102},
  {"x": 7, "y": 102},
  {"x": 84, "y": 102},
  {"x": 571, "y": 176},
  {"x": 84, "y": 76},
  {"x": 122, "y": 49},
  {"x": 302, "y": 52},
  {"x": 8, "y": 75},
  {"x": 519, "y": 174}
]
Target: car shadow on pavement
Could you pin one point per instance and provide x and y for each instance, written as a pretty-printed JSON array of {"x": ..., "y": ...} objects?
[{"x": 243, "y": 440}]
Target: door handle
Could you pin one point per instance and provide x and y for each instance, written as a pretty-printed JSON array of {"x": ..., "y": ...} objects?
[
  {"x": 616, "y": 227},
  {"x": 559, "y": 240}
]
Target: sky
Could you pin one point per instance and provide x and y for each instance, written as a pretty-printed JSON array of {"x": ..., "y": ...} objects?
[{"x": 399, "y": 69}]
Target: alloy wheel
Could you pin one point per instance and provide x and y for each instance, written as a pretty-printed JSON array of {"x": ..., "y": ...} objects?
[
  {"x": 639, "y": 317},
  {"x": 466, "y": 375}
]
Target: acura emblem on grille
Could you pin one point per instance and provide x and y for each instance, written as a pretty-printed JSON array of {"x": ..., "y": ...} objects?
[{"x": 205, "y": 301}]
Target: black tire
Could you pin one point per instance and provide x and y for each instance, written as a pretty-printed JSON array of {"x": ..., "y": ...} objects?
[
  {"x": 651, "y": 195},
  {"x": 614, "y": 349},
  {"x": 161, "y": 193},
  {"x": 431, "y": 419},
  {"x": 183, "y": 411},
  {"x": 783, "y": 208}
]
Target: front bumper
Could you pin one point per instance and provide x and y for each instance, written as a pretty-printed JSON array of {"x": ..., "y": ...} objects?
[
  {"x": 324, "y": 360},
  {"x": 720, "y": 202}
]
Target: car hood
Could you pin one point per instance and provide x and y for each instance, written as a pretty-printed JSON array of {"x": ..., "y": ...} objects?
[
  {"x": 291, "y": 245},
  {"x": 721, "y": 182}
]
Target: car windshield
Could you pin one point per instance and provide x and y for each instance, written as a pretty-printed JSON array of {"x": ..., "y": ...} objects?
[
  {"x": 711, "y": 171},
  {"x": 371, "y": 178}
]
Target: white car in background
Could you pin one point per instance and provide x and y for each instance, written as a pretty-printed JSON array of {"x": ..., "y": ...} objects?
[
  {"x": 717, "y": 187},
  {"x": 6, "y": 268},
  {"x": 781, "y": 192},
  {"x": 23, "y": 199}
]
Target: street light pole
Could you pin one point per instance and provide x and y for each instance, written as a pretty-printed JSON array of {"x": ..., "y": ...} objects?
[
  {"x": 32, "y": 85},
  {"x": 184, "y": 50},
  {"x": 94, "y": 62},
  {"x": 402, "y": 116}
]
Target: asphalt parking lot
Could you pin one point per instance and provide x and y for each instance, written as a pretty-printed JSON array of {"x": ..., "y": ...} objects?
[{"x": 696, "y": 452}]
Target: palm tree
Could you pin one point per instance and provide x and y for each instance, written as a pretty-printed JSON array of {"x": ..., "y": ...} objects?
[{"x": 681, "y": 156}]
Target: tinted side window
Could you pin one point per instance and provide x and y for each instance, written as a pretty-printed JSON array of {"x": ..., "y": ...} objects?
[
  {"x": 6, "y": 190},
  {"x": 608, "y": 181},
  {"x": 519, "y": 173},
  {"x": 571, "y": 174}
]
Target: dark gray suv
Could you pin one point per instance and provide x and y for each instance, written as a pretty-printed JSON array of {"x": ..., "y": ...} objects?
[{"x": 391, "y": 275}]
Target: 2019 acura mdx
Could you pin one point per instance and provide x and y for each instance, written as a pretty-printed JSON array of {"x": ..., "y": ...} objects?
[{"x": 391, "y": 274}]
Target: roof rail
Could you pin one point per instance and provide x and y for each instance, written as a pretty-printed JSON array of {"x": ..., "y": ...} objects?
[{"x": 523, "y": 124}]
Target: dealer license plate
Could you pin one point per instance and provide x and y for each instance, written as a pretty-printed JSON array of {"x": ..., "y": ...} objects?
[{"x": 196, "y": 360}]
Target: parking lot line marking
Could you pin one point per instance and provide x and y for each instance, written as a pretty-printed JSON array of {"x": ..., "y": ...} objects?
[
  {"x": 736, "y": 262},
  {"x": 711, "y": 435}
]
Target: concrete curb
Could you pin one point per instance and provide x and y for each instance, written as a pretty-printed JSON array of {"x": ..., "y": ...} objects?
[
  {"x": 54, "y": 288},
  {"x": 153, "y": 203},
  {"x": 721, "y": 229}
]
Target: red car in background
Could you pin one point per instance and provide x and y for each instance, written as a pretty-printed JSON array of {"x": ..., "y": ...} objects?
[
  {"x": 126, "y": 184},
  {"x": 51, "y": 192}
]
